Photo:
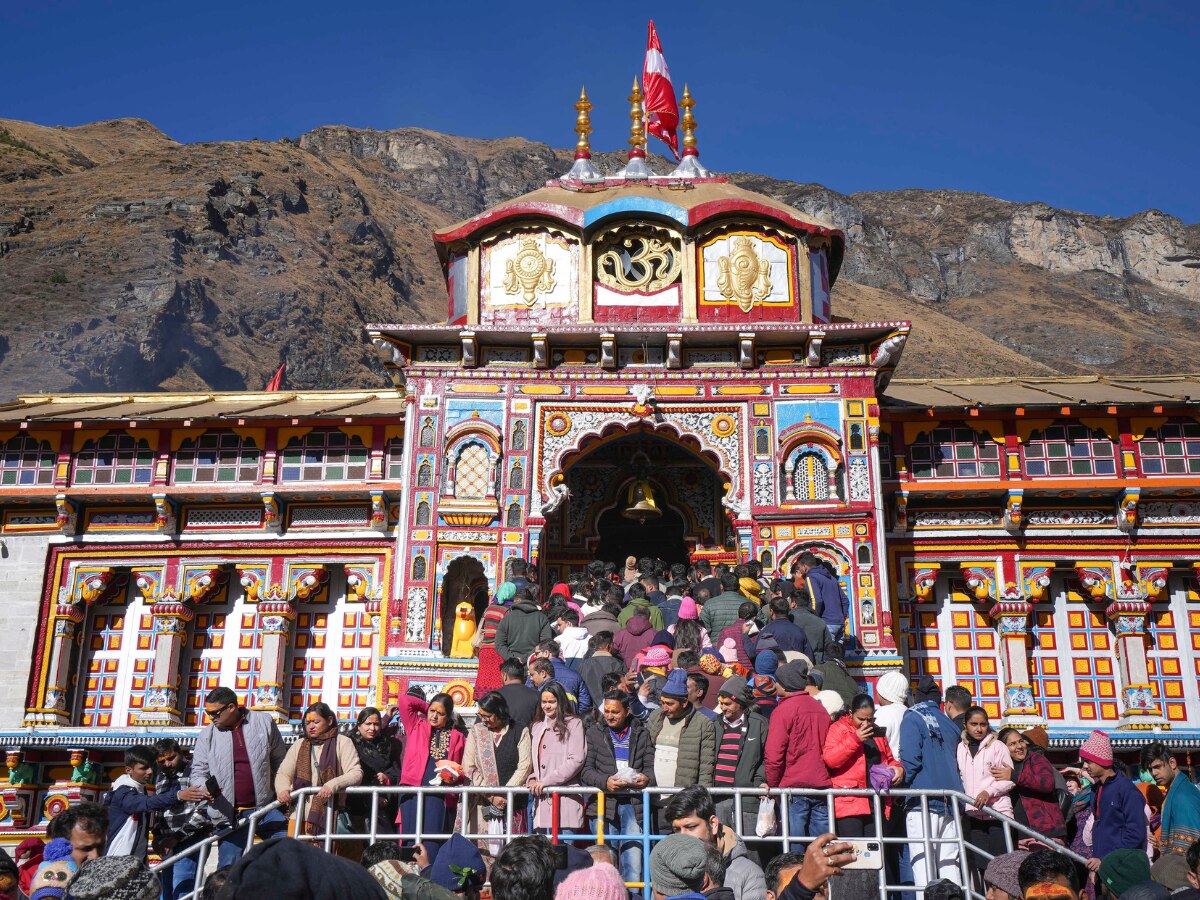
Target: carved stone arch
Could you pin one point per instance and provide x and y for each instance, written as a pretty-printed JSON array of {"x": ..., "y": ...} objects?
[
  {"x": 810, "y": 453},
  {"x": 832, "y": 553},
  {"x": 471, "y": 460}
]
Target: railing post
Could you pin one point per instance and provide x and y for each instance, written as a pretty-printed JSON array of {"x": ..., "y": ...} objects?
[{"x": 554, "y": 818}]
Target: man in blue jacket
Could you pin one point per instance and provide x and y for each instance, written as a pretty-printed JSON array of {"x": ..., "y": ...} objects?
[
  {"x": 1118, "y": 808},
  {"x": 130, "y": 809},
  {"x": 928, "y": 752},
  {"x": 828, "y": 599},
  {"x": 571, "y": 681}
]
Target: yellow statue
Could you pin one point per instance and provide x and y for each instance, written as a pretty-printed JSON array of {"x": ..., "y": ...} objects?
[{"x": 464, "y": 631}]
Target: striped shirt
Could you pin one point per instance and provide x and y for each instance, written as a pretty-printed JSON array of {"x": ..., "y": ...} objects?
[
  {"x": 728, "y": 751},
  {"x": 620, "y": 744}
]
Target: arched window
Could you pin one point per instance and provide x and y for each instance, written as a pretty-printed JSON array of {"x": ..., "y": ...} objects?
[
  {"x": 325, "y": 455},
  {"x": 423, "y": 513},
  {"x": 27, "y": 461},
  {"x": 858, "y": 439},
  {"x": 116, "y": 458},
  {"x": 519, "y": 436},
  {"x": 810, "y": 476},
  {"x": 864, "y": 556},
  {"x": 516, "y": 477},
  {"x": 513, "y": 517},
  {"x": 216, "y": 457},
  {"x": 418, "y": 568},
  {"x": 954, "y": 451},
  {"x": 762, "y": 441},
  {"x": 472, "y": 472},
  {"x": 766, "y": 559},
  {"x": 427, "y": 431},
  {"x": 1070, "y": 449},
  {"x": 425, "y": 474},
  {"x": 1170, "y": 449}
]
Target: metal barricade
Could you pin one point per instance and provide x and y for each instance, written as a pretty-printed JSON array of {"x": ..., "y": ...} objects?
[{"x": 949, "y": 849}]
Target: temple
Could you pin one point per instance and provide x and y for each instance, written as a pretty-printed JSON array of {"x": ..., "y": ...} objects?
[{"x": 612, "y": 343}]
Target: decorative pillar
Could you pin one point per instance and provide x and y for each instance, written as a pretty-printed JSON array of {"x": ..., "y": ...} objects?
[
  {"x": 1127, "y": 613},
  {"x": 275, "y": 617},
  {"x": 171, "y": 618},
  {"x": 65, "y": 624},
  {"x": 1011, "y": 614},
  {"x": 378, "y": 696}
]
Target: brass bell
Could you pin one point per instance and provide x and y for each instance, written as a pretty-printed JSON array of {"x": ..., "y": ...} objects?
[{"x": 641, "y": 503}]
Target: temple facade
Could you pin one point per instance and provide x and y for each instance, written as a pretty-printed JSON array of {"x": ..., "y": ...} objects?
[{"x": 610, "y": 344}]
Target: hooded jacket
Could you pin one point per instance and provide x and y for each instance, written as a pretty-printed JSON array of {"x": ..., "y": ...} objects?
[
  {"x": 636, "y": 636},
  {"x": 129, "y": 812},
  {"x": 827, "y": 597},
  {"x": 600, "y": 620},
  {"x": 524, "y": 627},
  {"x": 795, "y": 744},
  {"x": 814, "y": 630},
  {"x": 977, "y": 778},
  {"x": 573, "y": 644},
  {"x": 837, "y": 678},
  {"x": 928, "y": 748},
  {"x": 846, "y": 758},
  {"x": 742, "y": 874},
  {"x": 1118, "y": 817}
]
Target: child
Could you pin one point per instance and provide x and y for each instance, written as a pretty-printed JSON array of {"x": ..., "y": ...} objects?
[
  {"x": 55, "y": 871},
  {"x": 130, "y": 808}
]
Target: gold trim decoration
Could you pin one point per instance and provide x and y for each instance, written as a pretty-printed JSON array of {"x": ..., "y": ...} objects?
[
  {"x": 638, "y": 257},
  {"x": 743, "y": 275},
  {"x": 529, "y": 273},
  {"x": 583, "y": 125},
  {"x": 723, "y": 425},
  {"x": 558, "y": 424}
]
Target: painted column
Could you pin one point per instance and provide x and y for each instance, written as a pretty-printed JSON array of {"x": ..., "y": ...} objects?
[
  {"x": 1011, "y": 613},
  {"x": 68, "y": 617},
  {"x": 171, "y": 618},
  {"x": 1127, "y": 613},
  {"x": 275, "y": 619}
]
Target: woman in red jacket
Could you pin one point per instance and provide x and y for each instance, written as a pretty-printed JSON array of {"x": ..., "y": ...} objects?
[
  {"x": 852, "y": 748},
  {"x": 431, "y": 741},
  {"x": 1035, "y": 798}
]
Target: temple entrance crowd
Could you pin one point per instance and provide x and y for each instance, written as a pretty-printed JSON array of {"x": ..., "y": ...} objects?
[{"x": 626, "y": 679}]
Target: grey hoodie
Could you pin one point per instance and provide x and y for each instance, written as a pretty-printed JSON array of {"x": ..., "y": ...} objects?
[{"x": 742, "y": 874}]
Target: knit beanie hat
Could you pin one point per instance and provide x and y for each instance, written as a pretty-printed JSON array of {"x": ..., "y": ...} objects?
[
  {"x": 676, "y": 685},
  {"x": 115, "y": 878},
  {"x": 656, "y": 655},
  {"x": 832, "y": 701},
  {"x": 736, "y": 688},
  {"x": 793, "y": 676},
  {"x": 458, "y": 866},
  {"x": 677, "y": 864},
  {"x": 762, "y": 688},
  {"x": 687, "y": 609},
  {"x": 1098, "y": 749},
  {"x": 766, "y": 663},
  {"x": 665, "y": 638},
  {"x": 506, "y": 592},
  {"x": 892, "y": 686},
  {"x": 600, "y": 882},
  {"x": 710, "y": 663},
  {"x": 817, "y": 677},
  {"x": 55, "y": 871},
  {"x": 1001, "y": 872},
  {"x": 1122, "y": 869}
]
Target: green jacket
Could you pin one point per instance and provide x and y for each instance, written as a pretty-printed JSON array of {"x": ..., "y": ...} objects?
[
  {"x": 655, "y": 614},
  {"x": 838, "y": 679},
  {"x": 721, "y": 611},
  {"x": 697, "y": 748},
  {"x": 522, "y": 628}
]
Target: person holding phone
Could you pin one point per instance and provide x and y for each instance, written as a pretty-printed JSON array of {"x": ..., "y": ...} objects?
[{"x": 858, "y": 756}]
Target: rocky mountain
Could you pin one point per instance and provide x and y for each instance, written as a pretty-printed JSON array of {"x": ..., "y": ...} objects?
[{"x": 131, "y": 262}]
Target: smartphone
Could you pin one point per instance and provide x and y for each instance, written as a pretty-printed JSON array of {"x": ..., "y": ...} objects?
[
  {"x": 408, "y": 854},
  {"x": 867, "y": 855},
  {"x": 212, "y": 786}
]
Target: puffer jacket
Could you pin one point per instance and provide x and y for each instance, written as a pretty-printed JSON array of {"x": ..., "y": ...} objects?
[
  {"x": 742, "y": 874},
  {"x": 976, "y": 772},
  {"x": 847, "y": 762},
  {"x": 521, "y": 630},
  {"x": 697, "y": 748}
]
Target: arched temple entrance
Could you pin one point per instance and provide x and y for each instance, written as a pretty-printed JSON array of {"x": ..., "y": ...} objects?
[
  {"x": 465, "y": 579},
  {"x": 686, "y": 489}
]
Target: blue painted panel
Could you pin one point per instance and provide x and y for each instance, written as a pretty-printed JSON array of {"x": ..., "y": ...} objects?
[{"x": 635, "y": 205}]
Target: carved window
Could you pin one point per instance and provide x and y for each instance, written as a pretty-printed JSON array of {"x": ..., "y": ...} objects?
[
  {"x": 762, "y": 441},
  {"x": 423, "y": 513},
  {"x": 857, "y": 439},
  {"x": 116, "y": 458},
  {"x": 472, "y": 472},
  {"x": 325, "y": 455},
  {"x": 864, "y": 556},
  {"x": 810, "y": 476},
  {"x": 887, "y": 464},
  {"x": 513, "y": 516},
  {"x": 118, "y": 651},
  {"x": 216, "y": 457},
  {"x": 954, "y": 452},
  {"x": 519, "y": 436},
  {"x": 427, "y": 431},
  {"x": 27, "y": 461},
  {"x": 1070, "y": 449},
  {"x": 766, "y": 559},
  {"x": 638, "y": 257},
  {"x": 516, "y": 477},
  {"x": 1171, "y": 449},
  {"x": 418, "y": 568},
  {"x": 425, "y": 474}
]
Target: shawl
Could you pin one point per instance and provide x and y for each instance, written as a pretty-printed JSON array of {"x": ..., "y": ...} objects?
[
  {"x": 1180, "y": 816},
  {"x": 328, "y": 768},
  {"x": 375, "y": 756},
  {"x": 487, "y": 772}
]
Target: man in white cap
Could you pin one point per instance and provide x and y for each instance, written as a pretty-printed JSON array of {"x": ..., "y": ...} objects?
[{"x": 891, "y": 700}]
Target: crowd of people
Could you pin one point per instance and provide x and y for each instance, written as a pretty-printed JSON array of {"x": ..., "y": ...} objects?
[{"x": 622, "y": 681}]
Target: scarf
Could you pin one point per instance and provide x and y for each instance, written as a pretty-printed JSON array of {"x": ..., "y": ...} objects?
[
  {"x": 1180, "y": 816},
  {"x": 375, "y": 756},
  {"x": 973, "y": 746},
  {"x": 328, "y": 768},
  {"x": 487, "y": 772}
]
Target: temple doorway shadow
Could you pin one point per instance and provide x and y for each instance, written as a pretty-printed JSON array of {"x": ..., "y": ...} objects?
[
  {"x": 464, "y": 580},
  {"x": 662, "y": 537}
]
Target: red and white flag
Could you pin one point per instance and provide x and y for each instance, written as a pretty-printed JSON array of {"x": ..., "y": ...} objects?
[{"x": 662, "y": 112}]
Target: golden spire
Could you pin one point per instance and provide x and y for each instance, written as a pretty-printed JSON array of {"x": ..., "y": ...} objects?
[
  {"x": 583, "y": 125},
  {"x": 688, "y": 123},
  {"x": 637, "y": 133}
]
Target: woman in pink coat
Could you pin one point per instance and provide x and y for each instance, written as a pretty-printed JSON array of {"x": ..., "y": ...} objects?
[
  {"x": 978, "y": 752},
  {"x": 431, "y": 741},
  {"x": 559, "y": 749}
]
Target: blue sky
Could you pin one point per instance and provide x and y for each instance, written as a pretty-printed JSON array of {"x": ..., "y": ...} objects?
[{"x": 1087, "y": 106}]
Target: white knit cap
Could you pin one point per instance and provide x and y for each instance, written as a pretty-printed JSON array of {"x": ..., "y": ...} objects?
[
  {"x": 832, "y": 701},
  {"x": 892, "y": 686}
]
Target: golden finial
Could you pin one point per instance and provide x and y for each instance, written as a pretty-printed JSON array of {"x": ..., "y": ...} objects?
[
  {"x": 637, "y": 134},
  {"x": 689, "y": 123},
  {"x": 583, "y": 126}
]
